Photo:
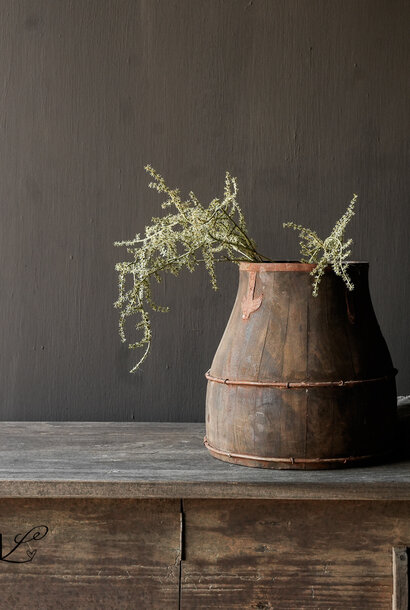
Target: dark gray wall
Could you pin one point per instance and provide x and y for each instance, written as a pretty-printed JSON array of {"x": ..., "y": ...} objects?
[{"x": 305, "y": 101}]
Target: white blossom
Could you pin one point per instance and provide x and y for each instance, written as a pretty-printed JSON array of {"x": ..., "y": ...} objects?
[
  {"x": 187, "y": 235},
  {"x": 330, "y": 251}
]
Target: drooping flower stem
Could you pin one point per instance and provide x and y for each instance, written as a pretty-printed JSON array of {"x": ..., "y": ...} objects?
[{"x": 189, "y": 235}]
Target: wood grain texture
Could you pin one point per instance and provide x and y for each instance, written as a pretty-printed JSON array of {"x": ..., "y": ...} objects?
[
  {"x": 281, "y": 555},
  {"x": 96, "y": 554},
  {"x": 400, "y": 578},
  {"x": 306, "y": 102},
  {"x": 153, "y": 460}
]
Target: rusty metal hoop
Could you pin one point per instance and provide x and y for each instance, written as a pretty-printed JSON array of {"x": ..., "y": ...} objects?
[
  {"x": 299, "y": 384},
  {"x": 241, "y": 458}
]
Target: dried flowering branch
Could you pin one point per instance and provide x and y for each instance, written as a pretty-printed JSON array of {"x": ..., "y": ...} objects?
[
  {"x": 182, "y": 239},
  {"x": 330, "y": 251}
]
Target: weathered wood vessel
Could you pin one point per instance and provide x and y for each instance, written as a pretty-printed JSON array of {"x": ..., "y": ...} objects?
[{"x": 301, "y": 381}]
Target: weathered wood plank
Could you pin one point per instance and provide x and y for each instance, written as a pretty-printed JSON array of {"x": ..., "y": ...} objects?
[
  {"x": 400, "y": 578},
  {"x": 264, "y": 555},
  {"x": 165, "y": 460},
  {"x": 97, "y": 554}
]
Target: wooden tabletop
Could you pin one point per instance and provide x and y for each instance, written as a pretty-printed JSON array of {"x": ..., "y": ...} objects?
[{"x": 164, "y": 460}]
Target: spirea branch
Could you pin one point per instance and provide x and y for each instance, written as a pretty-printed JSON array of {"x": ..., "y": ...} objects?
[
  {"x": 331, "y": 251},
  {"x": 190, "y": 234}
]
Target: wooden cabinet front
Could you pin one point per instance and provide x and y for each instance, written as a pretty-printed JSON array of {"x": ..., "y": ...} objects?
[
  {"x": 199, "y": 554},
  {"x": 281, "y": 555},
  {"x": 97, "y": 553}
]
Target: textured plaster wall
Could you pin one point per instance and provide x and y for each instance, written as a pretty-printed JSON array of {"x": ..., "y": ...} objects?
[{"x": 305, "y": 102}]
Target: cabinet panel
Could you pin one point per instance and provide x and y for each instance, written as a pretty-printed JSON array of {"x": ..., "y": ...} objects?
[
  {"x": 278, "y": 554},
  {"x": 97, "y": 553}
]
